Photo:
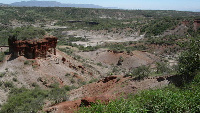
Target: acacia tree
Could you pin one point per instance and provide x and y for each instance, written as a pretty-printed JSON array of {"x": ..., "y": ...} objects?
[{"x": 189, "y": 61}]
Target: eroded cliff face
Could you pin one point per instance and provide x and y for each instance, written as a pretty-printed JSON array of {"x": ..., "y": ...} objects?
[
  {"x": 32, "y": 49},
  {"x": 196, "y": 24}
]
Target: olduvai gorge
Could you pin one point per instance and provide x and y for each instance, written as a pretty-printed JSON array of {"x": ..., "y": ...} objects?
[{"x": 68, "y": 60}]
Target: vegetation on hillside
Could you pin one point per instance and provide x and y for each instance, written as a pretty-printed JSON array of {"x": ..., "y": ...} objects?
[
  {"x": 32, "y": 14},
  {"x": 150, "y": 23},
  {"x": 32, "y": 100},
  {"x": 189, "y": 61},
  {"x": 23, "y": 33},
  {"x": 169, "y": 99},
  {"x": 157, "y": 27}
]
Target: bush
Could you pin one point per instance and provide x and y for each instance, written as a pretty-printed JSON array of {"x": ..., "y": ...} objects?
[
  {"x": 189, "y": 61},
  {"x": 140, "y": 72},
  {"x": 2, "y": 74},
  {"x": 1, "y": 83},
  {"x": 75, "y": 39},
  {"x": 162, "y": 67},
  {"x": 72, "y": 80},
  {"x": 15, "y": 79},
  {"x": 8, "y": 85},
  {"x": 24, "y": 100},
  {"x": 34, "y": 84},
  {"x": 68, "y": 88},
  {"x": 99, "y": 64},
  {"x": 93, "y": 80},
  {"x": 169, "y": 100},
  {"x": 81, "y": 82},
  {"x": 2, "y": 55},
  {"x": 58, "y": 95},
  {"x": 67, "y": 74},
  {"x": 88, "y": 48},
  {"x": 28, "y": 62}
]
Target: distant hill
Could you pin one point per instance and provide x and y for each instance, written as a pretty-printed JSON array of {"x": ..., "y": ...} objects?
[
  {"x": 3, "y": 5},
  {"x": 34, "y": 3}
]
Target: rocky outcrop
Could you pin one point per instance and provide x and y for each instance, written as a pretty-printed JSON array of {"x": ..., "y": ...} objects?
[{"x": 32, "y": 48}]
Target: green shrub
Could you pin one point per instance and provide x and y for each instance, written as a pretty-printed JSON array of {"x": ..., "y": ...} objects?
[
  {"x": 24, "y": 100},
  {"x": 169, "y": 100},
  {"x": 1, "y": 83},
  {"x": 28, "y": 62},
  {"x": 34, "y": 84},
  {"x": 88, "y": 48},
  {"x": 8, "y": 84},
  {"x": 2, "y": 74},
  {"x": 72, "y": 80},
  {"x": 68, "y": 88},
  {"x": 58, "y": 95},
  {"x": 93, "y": 80},
  {"x": 117, "y": 106},
  {"x": 2, "y": 55},
  {"x": 15, "y": 79},
  {"x": 4, "y": 34},
  {"x": 115, "y": 69},
  {"x": 189, "y": 61},
  {"x": 162, "y": 67},
  {"x": 99, "y": 64},
  {"x": 75, "y": 39},
  {"x": 81, "y": 82},
  {"x": 67, "y": 74},
  {"x": 140, "y": 72},
  {"x": 6, "y": 69}
]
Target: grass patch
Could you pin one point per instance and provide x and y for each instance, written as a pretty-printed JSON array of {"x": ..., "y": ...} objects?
[
  {"x": 68, "y": 88},
  {"x": 28, "y": 62},
  {"x": 75, "y": 39},
  {"x": 93, "y": 80},
  {"x": 24, "y": 100}
]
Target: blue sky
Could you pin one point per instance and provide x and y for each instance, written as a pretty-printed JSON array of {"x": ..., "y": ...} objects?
[{"x": 184, "y": 5}]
